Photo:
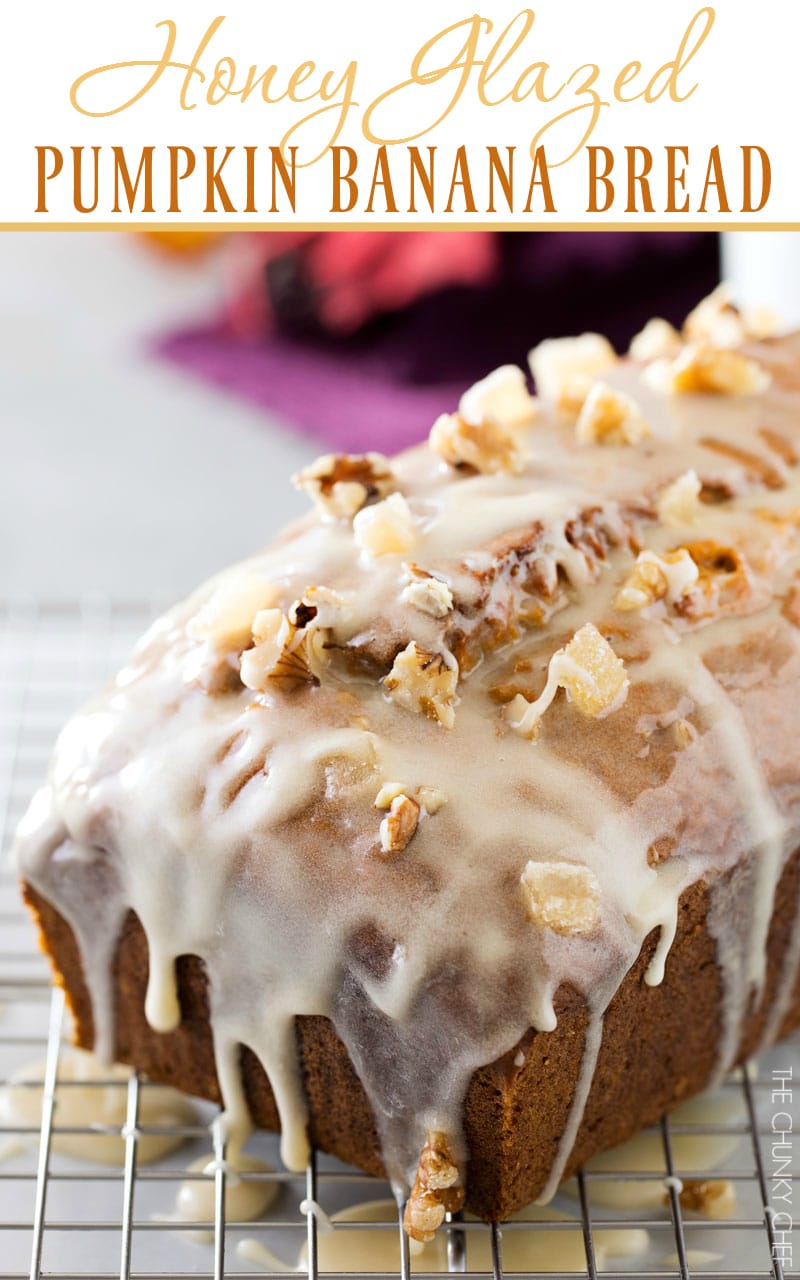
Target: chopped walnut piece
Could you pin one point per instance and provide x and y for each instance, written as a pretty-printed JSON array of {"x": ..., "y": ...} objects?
[
  {"x": 564, "y": 368},
  {"x": 341, "y": 483},
  {"x": 487, "y": 446},
  {"x": 502, "y": 398},
  {"x": 424, "y": 682},
  {"x": 610, "y": 417},
  {"x": 714, "y": 1198},
  {"x": 718, "y": 320},
  {"x": 657, "y": 338},
  {"x": 655, "y": 577},
  {"x": 723, "y": 582},
  {"x": 431, "y": 799},
  {"x": 562, "y": 896},
  {"x": 791, "y": 605},
  {"x": 389, "y": 792},
  {"x": 226, "y": 617},
  {"x": 589, "y": 671},
  {"x": 427, "y": 593},
  {"x": 387, "y": 528},
  {"x": 436, "y": 1191},
  {"x": 700, "y": 367},
  {"x": 283, "y": 653},
  {"x": 424, "y": 1214},
  {"x": 398, "y": 827},
  {"x": 679, "y": 503},
  {"x": 326, "y": 608}
]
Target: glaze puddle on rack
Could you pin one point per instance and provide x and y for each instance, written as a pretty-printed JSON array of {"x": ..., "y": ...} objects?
[{"x": 61, "y": 1216}]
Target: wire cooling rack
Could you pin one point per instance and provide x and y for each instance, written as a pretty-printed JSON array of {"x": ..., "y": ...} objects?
[{"x": 64, "y": 1217}]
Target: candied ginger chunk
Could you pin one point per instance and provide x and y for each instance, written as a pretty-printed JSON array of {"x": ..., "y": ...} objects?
[
  {"x": 226, "y": 617},
  {"x": 502, "y": 398},
  {"x": 562, "y": 896},
  {"x": 679, "y": 503},
  {"x": 589, "y": 671},
  {"x": 387, "y": 528},
  {"x": 565, "y": 368},
  {"x": 657, "y": 338}
]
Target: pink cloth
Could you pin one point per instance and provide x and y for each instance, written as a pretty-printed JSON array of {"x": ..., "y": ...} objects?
[{"x": 353, "y": 276}]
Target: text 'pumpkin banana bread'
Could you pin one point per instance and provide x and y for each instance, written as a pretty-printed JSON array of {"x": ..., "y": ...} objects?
[{"x": 457, "y": 833}]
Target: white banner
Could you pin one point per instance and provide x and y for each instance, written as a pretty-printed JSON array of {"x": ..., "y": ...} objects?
[{"x": 183, "y": 113}]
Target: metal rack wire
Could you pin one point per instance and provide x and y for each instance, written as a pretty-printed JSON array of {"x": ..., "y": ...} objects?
[{"x": 62, "y": 1217}]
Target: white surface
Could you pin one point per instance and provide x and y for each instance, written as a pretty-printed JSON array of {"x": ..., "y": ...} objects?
[
  {"x": 119, "y": 473},
  {"x": 717, "y": 76},
  {"x": 763, "y": 268}
]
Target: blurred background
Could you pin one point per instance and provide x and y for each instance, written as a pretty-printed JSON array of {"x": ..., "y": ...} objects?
[{"x": 158, "y": 390}]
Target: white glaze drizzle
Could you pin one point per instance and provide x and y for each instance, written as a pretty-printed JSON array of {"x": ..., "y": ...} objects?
[{"x": 240, "y": 827}]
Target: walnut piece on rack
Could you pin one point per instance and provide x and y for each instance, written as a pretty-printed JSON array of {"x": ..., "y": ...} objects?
[
  {"x": 398, "y": 827},
  {"x": 714, "y": 1198},
  {"x": 224, "y": 620},
  {"x": 565, "y": 368},
  {"x": 679, "y": 503},
  {"x": 487, "y": 446},
  {"x": 589, "y": 671},
  {"x": 701, "y": 367},
  {"x": 437, "y": 1189},
  {"x": 386, "y": 528},
  {"x": 341, "y": 483},
  {"x": 608, "y": 416},
  {"x": 561, "y": 896},
  {"x": 654, "y": 577},
  {"x": 424, "y": 682}
]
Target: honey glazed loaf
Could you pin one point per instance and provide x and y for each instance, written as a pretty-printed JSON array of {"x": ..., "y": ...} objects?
[{"x": 459, "y": 832}]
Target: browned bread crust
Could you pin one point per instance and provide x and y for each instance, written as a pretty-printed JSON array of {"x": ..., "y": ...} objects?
[{"x": 659, "y": 1048}]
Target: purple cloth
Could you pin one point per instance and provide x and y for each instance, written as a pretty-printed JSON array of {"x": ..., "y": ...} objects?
[
  {"x": 344, "y": 401},
  {"x": 383, "y": 387}
]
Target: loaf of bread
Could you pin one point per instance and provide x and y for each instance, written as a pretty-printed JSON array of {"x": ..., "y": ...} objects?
[{"x": 459, "y": 832}]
